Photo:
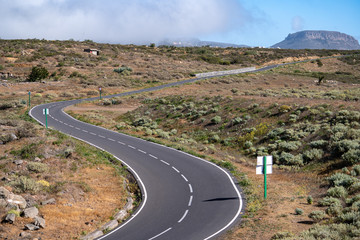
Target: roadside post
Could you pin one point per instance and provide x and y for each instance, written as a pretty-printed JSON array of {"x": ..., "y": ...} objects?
[
  {"x": 100, "y": 92},
  {"x": 46, "y": 112},
  {"x": 264, "y": 166},
  {"x": 29, "y": 99}
]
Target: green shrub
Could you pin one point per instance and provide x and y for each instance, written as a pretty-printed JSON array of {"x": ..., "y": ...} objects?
[
  {"x": 215, "y": 138},
  {"x": 216, "y": 120},
  {"x": 356, "y": 168},
  {"x": 37, "y": 74},
  {"x": 124, "y": 70},
  {"x": 281, "y": 235},
  {"x": 237, "y": 120},
  {"x": 317, "y": 216},
  {"x": 338, "y": 192},
  {"x": 310, "y": 200},
  {"x": 313, "y": 154},
  {"x": 289, "y": 159},
  {"x": 299, "y": 211},
  {"x": 352, "y": 156},
  {"x": 355, "y": 187},
  {"x": 349, "y": 217},
  {"x": 248, "y": 144},
  {"x": 289, "y": 146},
  {"x": 334, "y": 209},
  {"x": 340, "y": 179},
  {"x": 25, "y": 184},
  {"x": 319, "y": 144},
  {"x": 37, "y": 167},
  {"x": 346, "y": 145},
  {"x": 284, "y": 108},
  {"x": 330, "y": 232},
  {"x": 327, "y": 201}
]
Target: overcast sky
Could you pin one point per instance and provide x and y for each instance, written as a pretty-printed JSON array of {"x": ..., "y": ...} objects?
[{"x": 250, "y": 22}]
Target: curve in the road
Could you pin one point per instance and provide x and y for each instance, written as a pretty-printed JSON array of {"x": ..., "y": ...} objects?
[{"x": 184, "y": 197}]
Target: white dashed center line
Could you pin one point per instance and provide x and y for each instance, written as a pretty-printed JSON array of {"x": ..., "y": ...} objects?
[
  {"x": 191, "y": 190},
  {"x": 153, "y": 156},
  {"x": 121, "y": 143},
  {"x": 175, "y": 169},
  {"x": 141, "y": 151},
  {"x": 131, "y": 147},
  {"x": 101, "y": 136},
  {"x": 190, "y": 200},
  {"x": 111, "y": 139},
  {"x": 93, "y": 133},
  {"x": 184, "y": 178},
  {"x": 85, "y": 131},
  {"x": 165, "y": 162}
]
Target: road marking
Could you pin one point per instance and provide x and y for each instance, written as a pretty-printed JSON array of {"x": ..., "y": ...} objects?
[
  {"x": 181, "y": 219},
  {"x": 56, "y": 119},
  {"x": 190, "y": 201},
  {"x": 191, "y": 190},
  {"x": 153, "y": 156},
  {"x": 165, "y": 162},
  {"x": 77, "y": 128},
  {"x": 85, "y": 131},
  {"x": 71, "y": 125},
  {"x": 66, "y": 124},
  {"x": 100, "y": 136},
  {"x": 141, "y": 151},
  {"x": 160, "y": 234},
  {"x": 131, "y": 147},
  {"x": 184, "y": 178},
  {"x": 61, "y": 121},
  {"x": 121, "y": 143},
  {"x": 93, "y": 133},
  {"x": 175, "y": 169},
  {"x": 111, "y": 139}
]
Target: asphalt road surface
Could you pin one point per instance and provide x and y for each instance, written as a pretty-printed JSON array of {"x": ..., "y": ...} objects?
[{"x": 183, "y": 197}]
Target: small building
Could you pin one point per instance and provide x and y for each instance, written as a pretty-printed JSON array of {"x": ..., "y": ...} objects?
[{"x": 92, "y": 51}]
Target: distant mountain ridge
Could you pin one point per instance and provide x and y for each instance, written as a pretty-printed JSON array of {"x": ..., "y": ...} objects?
[
  {"x": 194, "y": 42},
  {"x": 318, "y": 40}
]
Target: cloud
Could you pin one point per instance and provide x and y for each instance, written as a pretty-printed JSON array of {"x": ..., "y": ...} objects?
[
  {"x": 297, "y": 23},
  {"x": 119, "y": 21}
]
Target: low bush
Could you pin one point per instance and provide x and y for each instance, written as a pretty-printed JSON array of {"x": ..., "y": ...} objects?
[
  {"x": 317, "y": 216},
  {"x": 216, "y": 120},
  {"x": 313, "y": 154},
  {"x": 337, "y": 192},
  {"x": 327, "y": 201},
  {"x": 37, "y": 167},
  {"x": 25, "y": 184},
  {"x": 299, "y": 211},
  {"x": 352, "y": 156},
  {"x": 341, "y": 179}
]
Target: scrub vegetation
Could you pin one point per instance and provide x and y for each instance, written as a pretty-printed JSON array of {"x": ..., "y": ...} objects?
[{"x": 310, "y": 126}]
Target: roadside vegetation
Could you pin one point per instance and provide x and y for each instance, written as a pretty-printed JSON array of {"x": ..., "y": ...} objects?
[
  {"x": 65, "y": 179},
  {"x": 306, "y": 115}
]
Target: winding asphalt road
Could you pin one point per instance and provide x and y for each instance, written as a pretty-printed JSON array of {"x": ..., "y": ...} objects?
[{"x": 183, "y": 197}]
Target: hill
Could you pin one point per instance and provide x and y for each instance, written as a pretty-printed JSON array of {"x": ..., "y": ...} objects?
[
  {"x": 198, "y": 43},
  {"x": 318, "y": 40}
]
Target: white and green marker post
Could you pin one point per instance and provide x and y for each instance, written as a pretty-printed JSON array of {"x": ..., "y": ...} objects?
[
  {"x": 46, "y": 112},
  {"x": 100, "y": 92},
  {"x": 264, "y": 166}
]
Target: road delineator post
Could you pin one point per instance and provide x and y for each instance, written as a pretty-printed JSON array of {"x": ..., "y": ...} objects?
[{"x": 264, "y": 167}]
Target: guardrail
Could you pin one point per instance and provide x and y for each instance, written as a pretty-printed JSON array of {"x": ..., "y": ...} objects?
[{"x": 227, "y": 72}]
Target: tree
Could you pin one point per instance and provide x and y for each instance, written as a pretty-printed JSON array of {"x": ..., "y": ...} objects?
[
  {"x": 320, "y": 79},
  {"x": 37, "y": 74}
]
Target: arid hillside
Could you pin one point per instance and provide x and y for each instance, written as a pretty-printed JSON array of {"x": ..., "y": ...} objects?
[{"x": 306, "y": 115}]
